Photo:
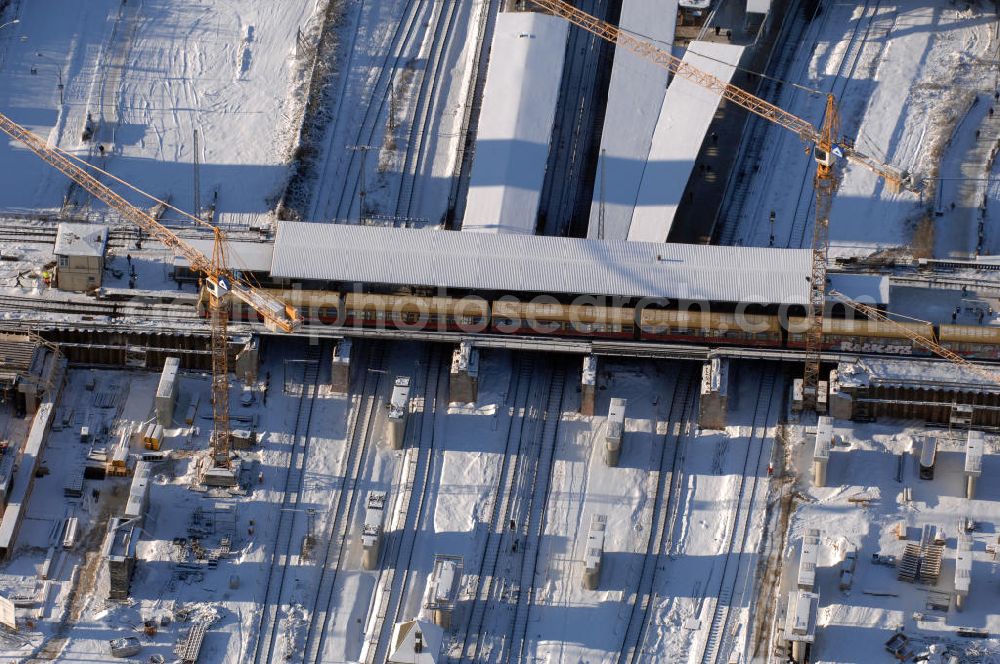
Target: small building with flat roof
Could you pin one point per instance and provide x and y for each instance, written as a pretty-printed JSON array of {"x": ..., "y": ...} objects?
[
  {"x": 800, "y": 623},
  {"x": 80, "y": 251}
]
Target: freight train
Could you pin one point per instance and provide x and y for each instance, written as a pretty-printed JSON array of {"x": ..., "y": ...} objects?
[{"x": 507, "y": 315}]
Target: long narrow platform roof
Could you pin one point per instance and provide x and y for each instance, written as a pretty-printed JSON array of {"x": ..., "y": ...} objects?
[
  {"x": 535, "y": 264},
  {"x": 635, "y": 97},
  {"x": 687, "y": 113},
  {"x": 515, "y": 123}
]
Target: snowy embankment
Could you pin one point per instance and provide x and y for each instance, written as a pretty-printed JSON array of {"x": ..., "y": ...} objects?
[{"x": 150, "y": 75}]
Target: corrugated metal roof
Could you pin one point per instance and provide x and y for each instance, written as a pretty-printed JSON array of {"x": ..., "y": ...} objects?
[{"x": 534, "y": 264}]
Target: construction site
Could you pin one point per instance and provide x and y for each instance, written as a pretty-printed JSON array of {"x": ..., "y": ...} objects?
[{"x": 500, "y": 331}]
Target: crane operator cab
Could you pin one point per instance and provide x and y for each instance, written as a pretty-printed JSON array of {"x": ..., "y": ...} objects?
[{"x": 823, "y": 157}]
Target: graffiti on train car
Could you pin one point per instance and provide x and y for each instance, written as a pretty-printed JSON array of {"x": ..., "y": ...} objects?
[{"x": 875, "y": 348}]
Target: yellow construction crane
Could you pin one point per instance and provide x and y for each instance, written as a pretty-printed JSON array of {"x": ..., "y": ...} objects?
[
  {"x": 825, "y": 142},
  {"x": 219, "y": 279}
]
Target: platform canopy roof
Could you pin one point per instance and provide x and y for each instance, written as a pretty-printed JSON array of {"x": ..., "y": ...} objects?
[{"x": 536, "y": 264}]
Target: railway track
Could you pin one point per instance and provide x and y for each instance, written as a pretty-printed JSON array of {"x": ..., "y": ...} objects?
[
  {"x": 739, "y": 190},
  {"x": 43, "y": 231},
  {"x": 395, "y": 580},
  {"x": 377, "y": 97},
  {"x": 498, "y": 611},
  {"x": 721, "y": 633},
  {"x": 661, "y": 521},
  {"x": 574, "y": 126},
  {"x": 281, "y": 551},
  {"x": 359, "y": 437},
  {"x": 97, "y": 309},
  {"x": 804, "y": 208},
  {"x": 498, "y": 533},
  {"x": 470, "y": 115},
  {"x": 428, "y": 98},
  {"x": 534, "y": 522}
]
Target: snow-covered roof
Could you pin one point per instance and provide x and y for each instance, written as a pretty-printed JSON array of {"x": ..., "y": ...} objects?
[
  {"x": 715, "y": 376},
  {"x": 963, "y": 564},
  {"x": 886, "y": 371},
  {"x": 595, "y": 541},
  {"x": 400, "y": 398},
  {"x": 824, "y": 438},
  {"x": 635, "y": 96},
  {"x": 758, "y": 6},
  {"x": 247, "y": 256},
  {"x": 465, "y": 360},
  {"x": 808, "y": 558},
  {"x": 515, "y": 123},
  {"x": 81, "y": 240},
  {"x": 167, "y": 386},
  {"x": 535, "y": 264},
  {"x": 800, "y": 617},
  {"x": 974, "y": 445},
  {"x": 865, "y": 288},
  {"x": 415, "y": 642},
  {"x": 688, "y": 110},
  {"x": 589, "y": 376}
]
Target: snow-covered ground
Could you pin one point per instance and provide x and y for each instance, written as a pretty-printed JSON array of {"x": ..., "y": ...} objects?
[
  {"x": 854, "y": 624},
  {"x": 150, "y": 73},
  {"x": 404, "y": 75},
  {"x": 903, "y": 74}
]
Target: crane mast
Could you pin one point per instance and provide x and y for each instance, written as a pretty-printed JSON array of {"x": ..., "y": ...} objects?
[
  {"x": 221, "y": 282},
  {"x": 825, "y": 183}
]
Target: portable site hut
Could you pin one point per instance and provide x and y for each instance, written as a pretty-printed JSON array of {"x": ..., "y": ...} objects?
[
  {"x": 464, "y": 376},
  {"x": 800, "y": 623},
  {"x": 371, "y": 533},
  {"x": 80, "y": 250},
  {"x": 588, "y": 385},
  {"x": 398, "y": 407},
  {"x": 974, "y": 446},
  {"x": 340, "y": 367},
  {"x": 963, "y": 570},
  {"x": 443, "y": 587},
  {"x": 808, "y": 556},
  {"x": 616, "y": 432},
  {"x": 138, "y": 497},
  {"x": 713, "y": 404},
  {"x": 594, "y": 551}
]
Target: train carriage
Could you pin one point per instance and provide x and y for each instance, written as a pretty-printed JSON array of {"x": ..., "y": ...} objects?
[
  {"x": 563, "y": 319},
  {"x": 855, "y": 335},
  {"x": 412, "y": 312},
  {"x": 509, "y": 316},
  {"x": 709, "y": 327},
  {"x": 973, "y": 341},
  {"x": 313, "y": 306}
]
